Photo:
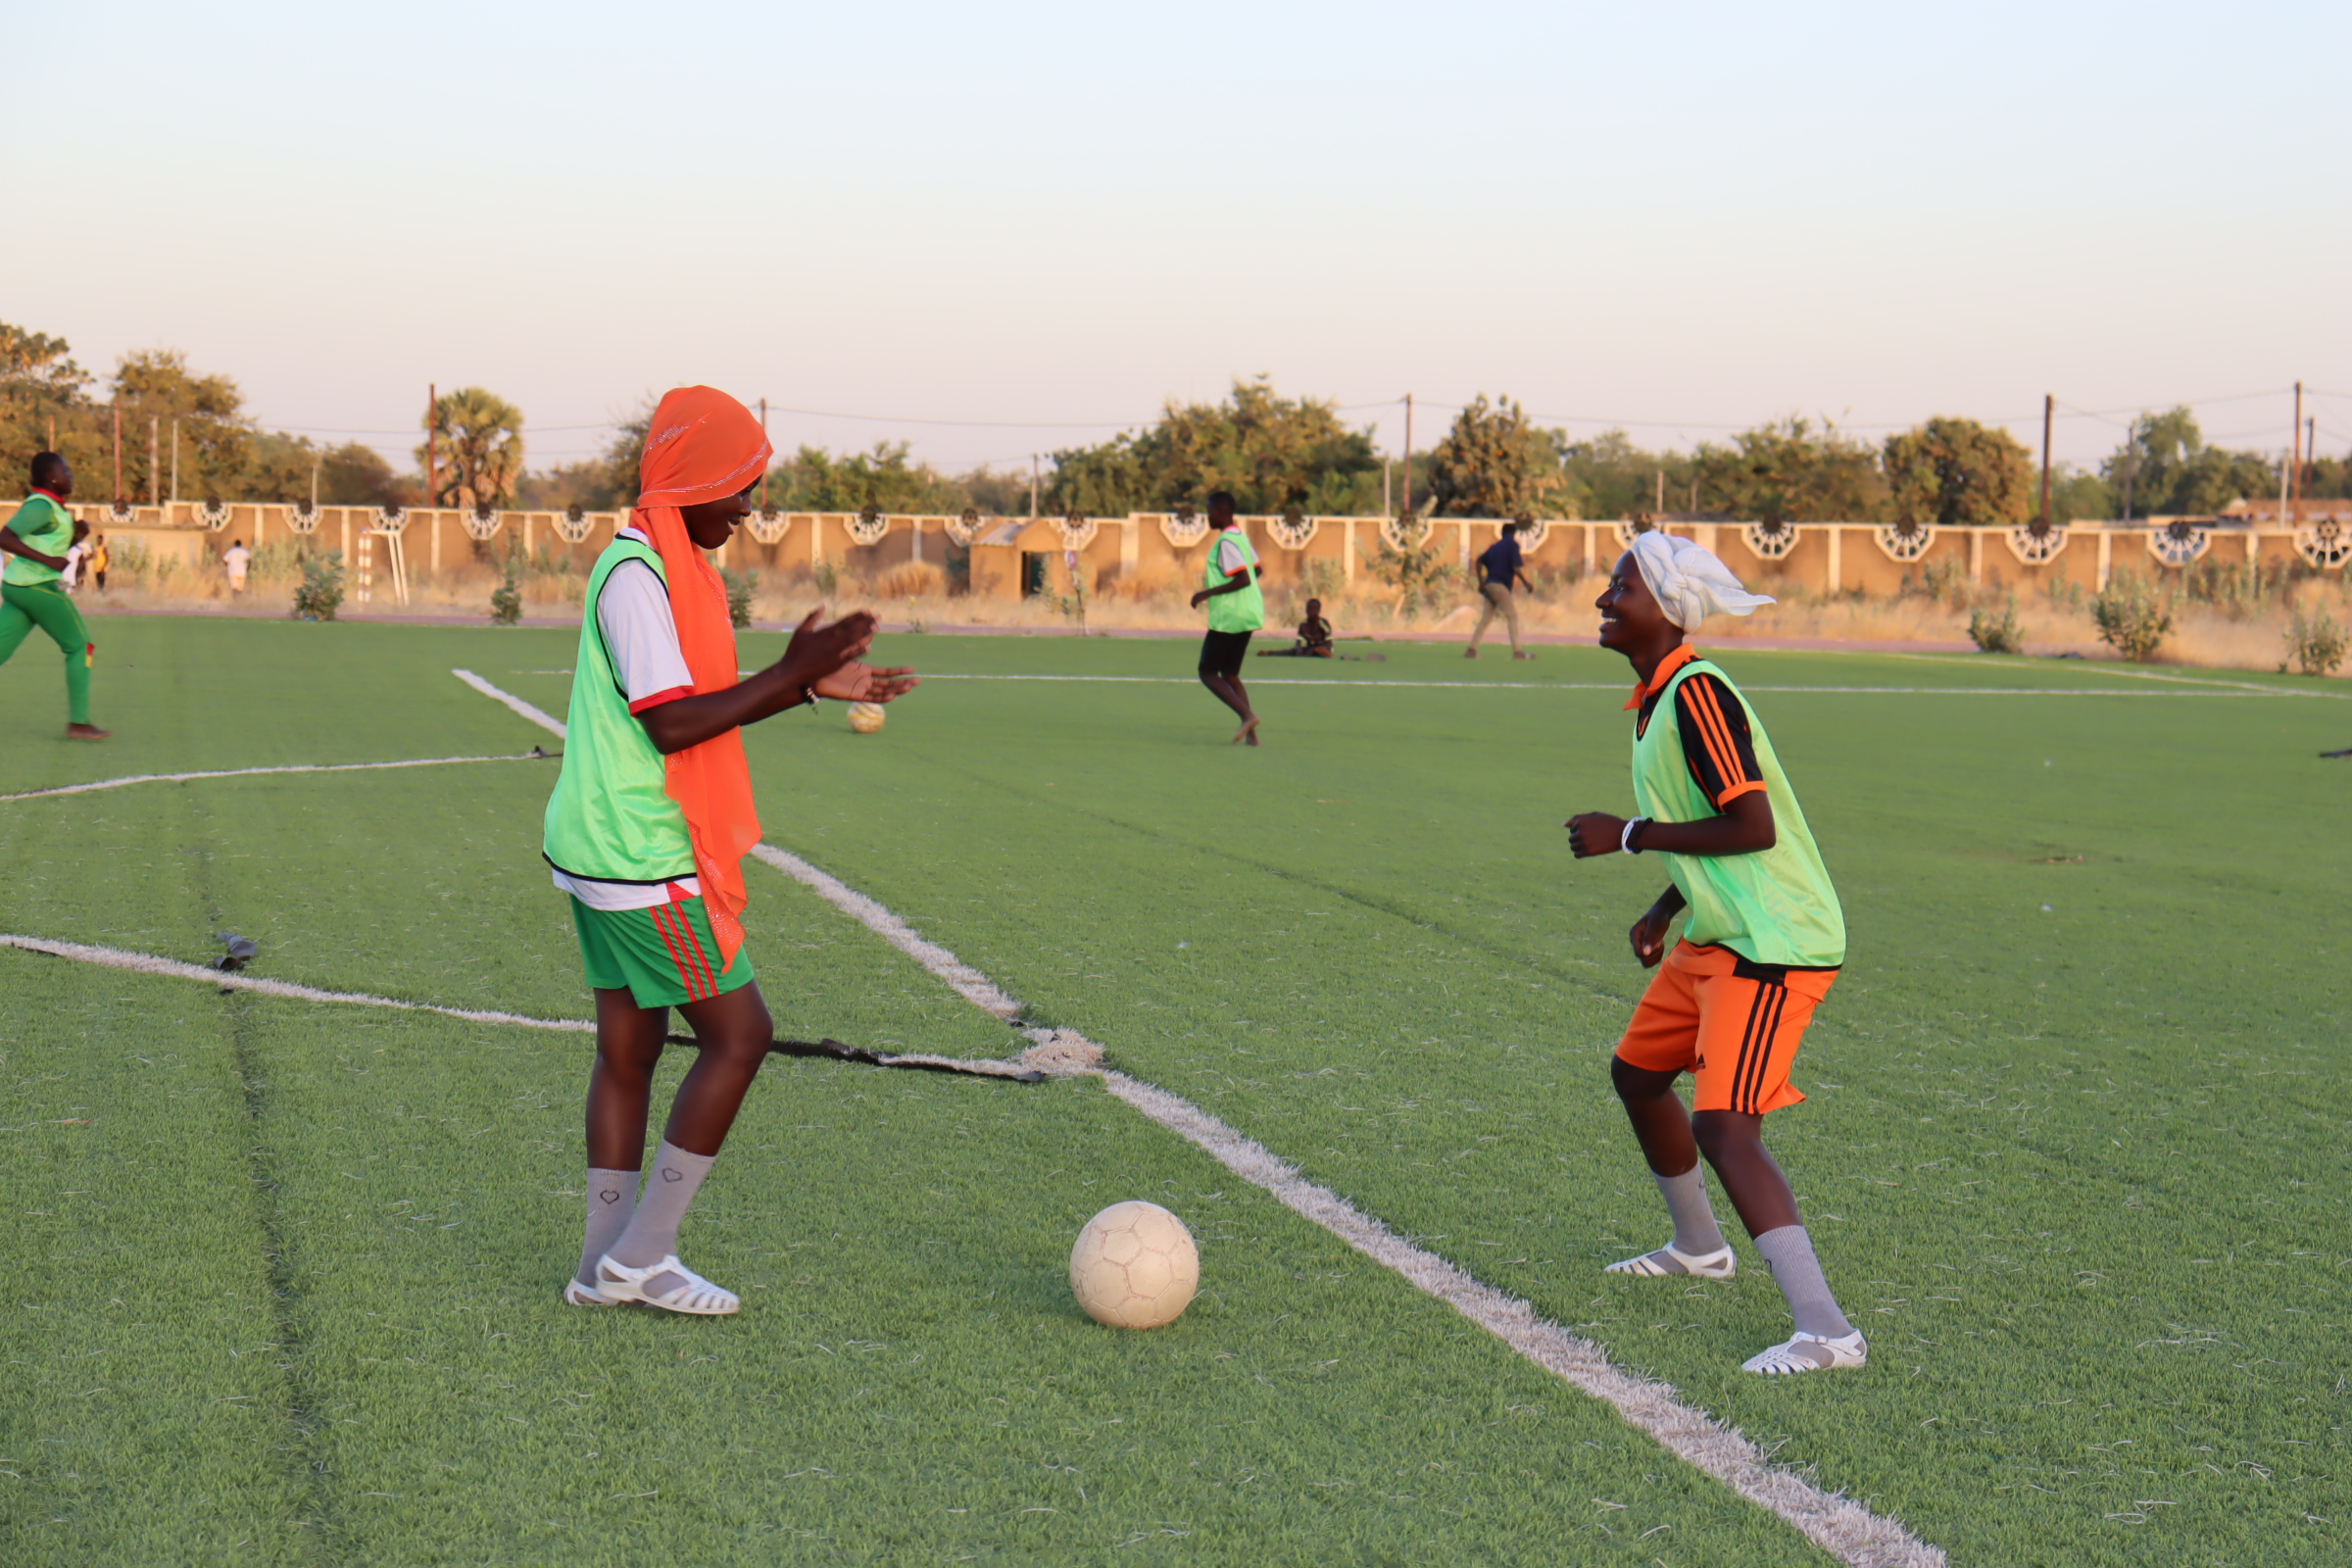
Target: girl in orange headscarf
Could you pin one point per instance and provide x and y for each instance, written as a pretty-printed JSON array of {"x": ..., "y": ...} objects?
[{"x": 648, "y": 827}]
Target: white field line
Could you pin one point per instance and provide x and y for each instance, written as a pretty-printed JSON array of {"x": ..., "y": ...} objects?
[
  {"x": 1620, "y": 686},
  {"x": 173, "y": 969},
  {"x": 545, "y": 721},
  {"x": 1838, "y": 1525},
  {"x": 148, "y": 964},
  {"x": 247, "y": 773}
]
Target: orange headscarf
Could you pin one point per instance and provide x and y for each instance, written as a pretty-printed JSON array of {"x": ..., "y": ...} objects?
[{"x": 704, "y": 445}]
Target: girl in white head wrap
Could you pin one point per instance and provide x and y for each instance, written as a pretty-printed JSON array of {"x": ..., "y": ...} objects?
[{"x": 1688, "y": 583}]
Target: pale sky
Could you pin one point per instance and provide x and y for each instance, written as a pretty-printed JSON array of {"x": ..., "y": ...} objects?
[{"x": 1696, "y": 215}]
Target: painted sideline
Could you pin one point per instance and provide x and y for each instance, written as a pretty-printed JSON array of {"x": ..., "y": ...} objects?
[
  {"x": 148, "y": 964},
  {"x": 2233, "y": 688},
  {"x": 1840, "y": 1526},
  {"x": 248, "y": 772}
]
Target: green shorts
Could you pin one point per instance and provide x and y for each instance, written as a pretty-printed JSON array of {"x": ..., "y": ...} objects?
[{"x": 665, "y": 956}]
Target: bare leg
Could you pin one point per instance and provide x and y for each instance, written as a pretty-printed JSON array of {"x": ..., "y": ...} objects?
[
  {"x": 734, "y": 1032},
  {"x": 1735, "y": 1146},
  {"x": 1659, "y": 1120},
  {"x": 1229, "y": 689},
  {"x": 620, "y": 1089}
]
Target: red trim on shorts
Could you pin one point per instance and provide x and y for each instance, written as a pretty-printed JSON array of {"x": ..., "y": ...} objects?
[
  {"x": 693, "y": 968},
  {"x": 669, "y": 940}
]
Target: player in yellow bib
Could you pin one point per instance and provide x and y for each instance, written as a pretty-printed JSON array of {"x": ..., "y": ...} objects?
[
  {"x": 33, "y": 593},
  {"x": 1762, "y": 943}
]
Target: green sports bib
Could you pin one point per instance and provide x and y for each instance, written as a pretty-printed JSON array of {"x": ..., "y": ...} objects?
[
  {"x": 46, "y": 526},
  {"x": 610, "y": 818},
  {"x": 1776, "y": 905},
  {"x": 1244, "y": 608}
]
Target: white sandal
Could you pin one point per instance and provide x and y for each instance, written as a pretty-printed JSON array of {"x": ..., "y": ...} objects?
[
  {"x": 1718, "y": 1265},
  {"x": 577, "y": 1294},
  {"x": 617, "y": 1282},
  {"x": 1791, "y": 1356}
]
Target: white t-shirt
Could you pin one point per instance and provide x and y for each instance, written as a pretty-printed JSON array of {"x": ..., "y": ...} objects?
[
  {"x": 641, "y": 638},
  {"x": 1231, "y": 553},
  {"x": 73, "y": 560},
  {"x": 238, "y": 558}
]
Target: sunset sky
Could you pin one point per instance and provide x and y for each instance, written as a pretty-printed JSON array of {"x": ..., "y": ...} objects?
[{"x": 1695, "y": 216}]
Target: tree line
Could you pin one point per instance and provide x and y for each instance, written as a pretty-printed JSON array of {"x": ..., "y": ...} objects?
[{"x": 1275, "y": 454}]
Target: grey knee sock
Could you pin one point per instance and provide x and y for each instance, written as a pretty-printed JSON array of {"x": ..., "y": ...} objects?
[
  {"x": 1797, "y": 1272},
  {"x": 653, "y": 1231},
  {"x": 1694, "y": 1229},
  {"x": 612, "y": 1200}
]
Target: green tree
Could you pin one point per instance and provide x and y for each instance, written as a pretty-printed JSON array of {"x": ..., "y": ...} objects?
[
  {"x": 2165, "y": 470},
  {"x": 1493, "y": 464},
  {"x": 479, "y": 439},
  {"x": 216, "y": 437},
  {"x": 887, "y": 479},
  {"x": 1791, "y": 471},
  {"x": 1610, "y": 476},
  {"x": 1274, "y": 454},
  {"x": 1955, "y": 472},
  {"x": 38, "y": 383}
]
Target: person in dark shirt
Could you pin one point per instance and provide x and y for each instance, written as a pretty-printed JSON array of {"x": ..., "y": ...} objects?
[
  {"x": 1499, "y": 569},
  {"x": 1315, "y": 637}
]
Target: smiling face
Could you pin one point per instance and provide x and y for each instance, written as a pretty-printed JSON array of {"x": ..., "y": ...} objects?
[
  {"x": 1630, "y": 616},
  {"x": 711, "y": 523}
]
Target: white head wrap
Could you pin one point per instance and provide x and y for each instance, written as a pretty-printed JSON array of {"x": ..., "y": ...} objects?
[{"x": 1688, "y": 583}]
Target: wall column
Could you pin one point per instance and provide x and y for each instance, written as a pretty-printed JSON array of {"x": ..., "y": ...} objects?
[
  {"x": 2106, "y": 557},
  {"x": 1976, "y": 555},
  {"x": 1348, "y": 549},
  {"x": 1837, "y": 557},
  {"x": 1131, "y": 546}
]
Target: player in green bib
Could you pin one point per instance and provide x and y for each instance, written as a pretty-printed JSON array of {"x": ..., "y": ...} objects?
[
  {"x": 646, "y": 830},
  {"x": 1763, "y": 940},
  {"x": 1237, "y": 607},
  {"x": 31, "y": 594}
]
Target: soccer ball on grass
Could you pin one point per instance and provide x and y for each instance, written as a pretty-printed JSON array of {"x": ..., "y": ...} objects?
[{"x": 1134, "y": 1267}]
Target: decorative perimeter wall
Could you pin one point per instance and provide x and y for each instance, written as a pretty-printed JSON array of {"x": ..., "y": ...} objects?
[{"x": 1012, "y": 557}]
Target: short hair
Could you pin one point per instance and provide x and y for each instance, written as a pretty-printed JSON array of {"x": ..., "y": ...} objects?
[
  {"x": 1226, "y": 495},
  {"x": 1510, "y": 528},
  {"x": 45, "y": 465}
]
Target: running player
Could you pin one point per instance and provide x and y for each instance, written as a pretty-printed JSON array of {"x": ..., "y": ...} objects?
[
  {"x": 648, "y": 826},
  {"x": 1235, "y": 608},
  {"x": 36, "y": 541},
  {"x": 1763, "y": 942}
]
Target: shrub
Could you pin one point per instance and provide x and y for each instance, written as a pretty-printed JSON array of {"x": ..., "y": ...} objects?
[
  {"x": 2133, "y": 616},
  {"x": 826, "y": 576},
  {"x": 742, "y": 588},
  {"x": 1422, "y": 577},
  {"x": 2002, "y": 636},
  {"x": 912, "y": 580},
  {"x": 320, "y": 594},
  {"x": 2316, "y": 643},
  {"x": 1945, "y": 580},
  {"x": 505, "y": 599}
]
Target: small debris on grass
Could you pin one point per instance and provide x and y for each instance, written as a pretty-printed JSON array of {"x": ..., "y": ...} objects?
[{"x": 242, "y": 951}]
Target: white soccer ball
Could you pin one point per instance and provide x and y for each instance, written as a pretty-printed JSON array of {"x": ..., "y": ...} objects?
[
  {"x": 1134, "y": 1267},
  {"x": 865, "y": 717}
]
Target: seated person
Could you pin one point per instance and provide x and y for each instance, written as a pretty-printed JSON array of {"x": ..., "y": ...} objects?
[{"x": 1315, "y": 637}]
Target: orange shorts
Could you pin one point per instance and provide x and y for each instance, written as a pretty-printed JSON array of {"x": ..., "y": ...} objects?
[{"x": 1733, "y": 1024}]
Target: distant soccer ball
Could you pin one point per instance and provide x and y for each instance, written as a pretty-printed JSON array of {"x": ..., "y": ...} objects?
[
  {"x": 1134, "y": 1267},
  {"x": 865, "y": 717}
]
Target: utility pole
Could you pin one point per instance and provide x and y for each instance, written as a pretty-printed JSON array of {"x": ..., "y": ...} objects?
[
  {"x": 1408, "y": 454},
  {"x": 2295, "y": 444},
  {"x": 2310, "y": 445},
  {"x": 117, "y": 406},
  {"x": 433, "y": 445},
  {"x": 1033, "y": 472},
  {"x": 763, "y": 468},
  {"x": 315, "y": 459},
  {"x": 1387, "y": 500},
  {"x": 1659, "y": 507},
  {"x": 2049, "y": 407},
  {"x": 154, "y": 476},
  {"x": 175, "y": 457}
]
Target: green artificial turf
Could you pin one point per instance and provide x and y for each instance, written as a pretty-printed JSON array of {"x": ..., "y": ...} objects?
[{"x": 2075, "y": 1154}]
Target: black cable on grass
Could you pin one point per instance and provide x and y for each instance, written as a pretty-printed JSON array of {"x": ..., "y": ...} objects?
[{"x": 835, "y": 1051}]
